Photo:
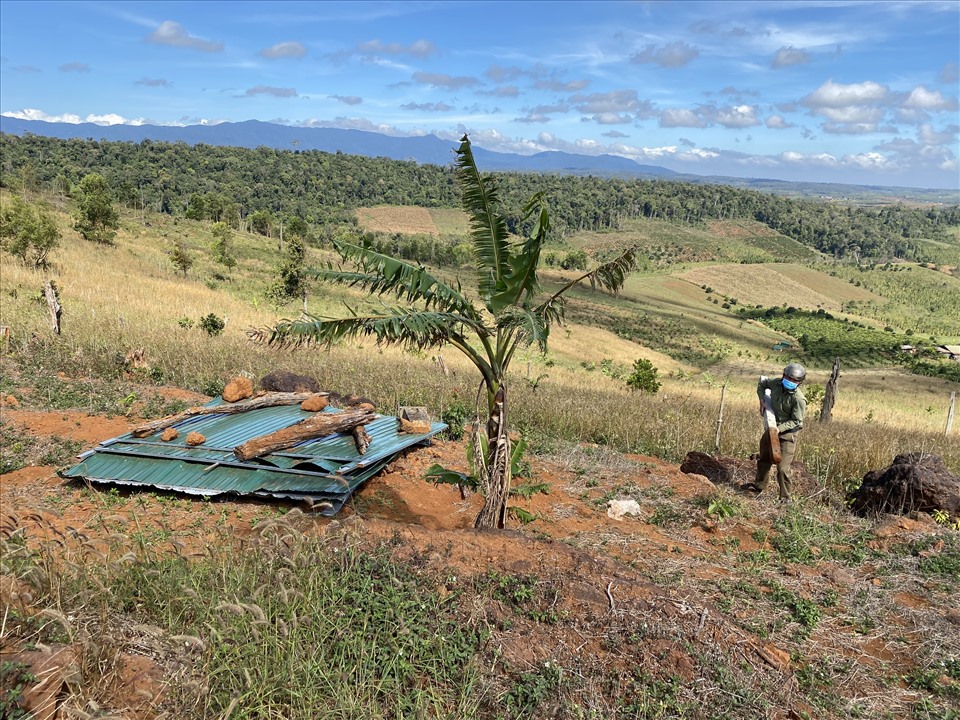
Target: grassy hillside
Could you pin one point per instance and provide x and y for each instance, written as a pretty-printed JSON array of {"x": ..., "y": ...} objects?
[
  {"x": 398, "y": 608},
  {"x": 130, "y": 296}
]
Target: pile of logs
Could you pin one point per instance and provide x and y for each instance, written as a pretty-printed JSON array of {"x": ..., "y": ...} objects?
[{"x": 239, "y": 397}]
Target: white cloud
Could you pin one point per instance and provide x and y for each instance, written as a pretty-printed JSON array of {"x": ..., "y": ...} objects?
[
  {"x": 681, "y": 117},
  {"x": 820, "y": 159},
  {"x": 738, "y": 116},
  {"x": 928, "y": 136},
  {"x": 289, "y": 49},
  {"x": 72, "y": 119},
  {"x": 787, "y": 56},
  {"x": 268, "y": 90},
  {"x": 867, "y": 161},
  {"x": 419, "y": 49},
  {"x": 173, "y": 33},
  {"x": 612, "y": 118},
  {"x": 441, "y": 80},
  {"x": 676, "y": 54},
  {"x": 616, "y": 101},
  {"x": 838, "y": 95},
  {"x": 853, "y": 114},
  {"x": 852, "y": 128},
  {"x": 924, "y": 99},
  {"x": 777, "y": 122}
]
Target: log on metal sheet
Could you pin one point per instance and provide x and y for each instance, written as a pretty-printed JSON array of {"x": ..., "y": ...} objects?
[
  {"x": 257, "y": 401},
  {"x": 316, "y": 426}
]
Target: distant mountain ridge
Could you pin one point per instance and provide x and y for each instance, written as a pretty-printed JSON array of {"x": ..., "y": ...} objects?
[
  {"x": 425, "y": 149},
  {"x": 429, "y": 149}
]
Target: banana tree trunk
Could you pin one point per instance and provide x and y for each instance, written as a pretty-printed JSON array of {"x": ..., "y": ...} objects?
[{"x": 496, "y": 479}]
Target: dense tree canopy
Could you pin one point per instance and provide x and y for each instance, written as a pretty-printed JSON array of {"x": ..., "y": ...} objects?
[{"x": 262, "y": 187}]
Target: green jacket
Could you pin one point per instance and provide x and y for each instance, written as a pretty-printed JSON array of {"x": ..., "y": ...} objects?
[{"x": 788, "y": 407}]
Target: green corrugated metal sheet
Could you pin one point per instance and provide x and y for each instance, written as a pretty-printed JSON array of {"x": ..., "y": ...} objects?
[{"x": 323, "y": 471}]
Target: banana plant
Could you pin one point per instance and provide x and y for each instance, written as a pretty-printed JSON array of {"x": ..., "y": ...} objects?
[{"x": 513, "y": 312}]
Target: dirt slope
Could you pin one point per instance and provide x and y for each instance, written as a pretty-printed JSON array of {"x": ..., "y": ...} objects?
[{"x": 670, "y": 592}]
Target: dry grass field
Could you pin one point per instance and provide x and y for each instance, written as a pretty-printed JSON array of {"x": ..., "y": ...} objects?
[
  {"x": 771, "y": 284},
  {"x": 396, "y": 219}
]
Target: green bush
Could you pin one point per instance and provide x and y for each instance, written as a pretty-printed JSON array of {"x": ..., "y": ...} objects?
[
  {"x": 212, "y": 325},
  {"x": 644, "y": 377}
]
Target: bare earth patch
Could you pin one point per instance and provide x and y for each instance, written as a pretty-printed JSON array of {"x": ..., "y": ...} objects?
[
  {"x": 675, "y": 566},
  {"x": 397, "y": 219}
]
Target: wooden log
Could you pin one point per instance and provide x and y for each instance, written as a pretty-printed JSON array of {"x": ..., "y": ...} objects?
[
  {"x": 770, "y": 425},
  {"x": 830, "y": 395},
  {"x": 361, "y": 439},
  {"x": 53, "y": 305},
  {"x": 317, "y": 426},
  {"x": 255, "y": 403}
]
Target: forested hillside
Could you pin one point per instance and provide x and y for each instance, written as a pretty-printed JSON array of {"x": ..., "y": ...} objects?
[{"x": 259, "y": 188}]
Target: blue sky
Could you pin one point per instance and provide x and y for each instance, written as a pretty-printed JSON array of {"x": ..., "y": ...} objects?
[{"x": 862, "y": 92}]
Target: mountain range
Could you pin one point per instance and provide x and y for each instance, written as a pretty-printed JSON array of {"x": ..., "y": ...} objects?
[
  {"x": 429, "y": 149},
  {"x": 425, "y": 149}
]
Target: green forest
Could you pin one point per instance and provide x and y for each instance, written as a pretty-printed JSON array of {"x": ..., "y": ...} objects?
[{"x": 260, "y": 189}]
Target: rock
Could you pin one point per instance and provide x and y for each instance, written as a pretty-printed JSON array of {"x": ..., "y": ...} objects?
[
  {"x": 616, "y": 509},
  {"x": 195, "y": 438},
  {"x": 169, "y": 434},
  {"x": 240, "y": 388},
  {"x": 283, "y": 381},
  {"x": 11, "y": 401},
  {"x": 314, "y": 403},
  {"x": 350, "y": 400},
  {"x": 914, "y": 482}
]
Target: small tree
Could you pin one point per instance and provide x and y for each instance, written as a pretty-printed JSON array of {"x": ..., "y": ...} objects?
[
  {"x": 28, "y": 231},
  {"x": 291, "y": 279},
  {"x": 643, "y": 377},
  {"x": 96, "y": 218},
  {"x": 514, "y": 313},
  {"x": 221, "y": 244},
  {"x": 182, "y": 260}
]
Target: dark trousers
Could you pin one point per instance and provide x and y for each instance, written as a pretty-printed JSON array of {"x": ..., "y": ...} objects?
[{"x": 788, "y": 448}]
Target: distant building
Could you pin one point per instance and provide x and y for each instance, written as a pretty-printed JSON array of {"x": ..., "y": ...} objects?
[
  {"x": 951, "y": 351},
  {"x": 783, "y": 345}
]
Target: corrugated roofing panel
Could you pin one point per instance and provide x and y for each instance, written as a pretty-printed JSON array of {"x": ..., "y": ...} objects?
[{"x": 325, "y": 470}]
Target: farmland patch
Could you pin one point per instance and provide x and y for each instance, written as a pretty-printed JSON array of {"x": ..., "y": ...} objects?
[
  {"x": 771, "y": 285},
  {"x": 397, "y": 219}
]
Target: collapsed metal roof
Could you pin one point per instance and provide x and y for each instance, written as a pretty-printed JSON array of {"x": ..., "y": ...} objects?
[{"x": 323, "y": 472}]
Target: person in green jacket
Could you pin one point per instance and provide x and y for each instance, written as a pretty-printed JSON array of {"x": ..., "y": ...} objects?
[{"x": 789, "y": 407}]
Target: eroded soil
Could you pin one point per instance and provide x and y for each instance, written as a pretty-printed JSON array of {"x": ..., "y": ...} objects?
[{"x": 679, "y": 564}]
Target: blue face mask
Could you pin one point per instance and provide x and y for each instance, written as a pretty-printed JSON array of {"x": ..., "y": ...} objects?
[{"x": 789, "y": 384}]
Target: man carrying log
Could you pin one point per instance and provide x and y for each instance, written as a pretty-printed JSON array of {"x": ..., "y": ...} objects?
[{"x": 783, "y": 399}]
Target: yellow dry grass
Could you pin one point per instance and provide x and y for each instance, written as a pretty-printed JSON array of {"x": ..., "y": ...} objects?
[
  {"x": 397, "y": 219},
  {"x": 740, "y": 229},
  {"x": 773, "y": 284},
  {"x": 129, "y": 296}
]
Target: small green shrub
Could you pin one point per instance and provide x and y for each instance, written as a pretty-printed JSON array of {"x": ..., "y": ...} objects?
[
  {"x": 211, "y": 324},
  {"x": 644, "y": 377}
]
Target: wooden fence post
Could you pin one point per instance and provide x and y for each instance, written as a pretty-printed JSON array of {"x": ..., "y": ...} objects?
[
  {"x": 53, "y": 304},
  {"x": 723, "y": 396},
  {"x": 953, "y": 400},
  {"x": 830, "y": 394}
]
